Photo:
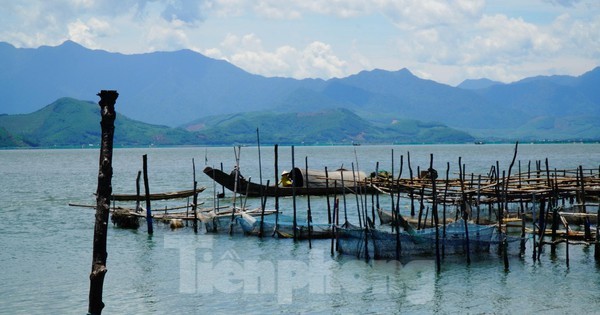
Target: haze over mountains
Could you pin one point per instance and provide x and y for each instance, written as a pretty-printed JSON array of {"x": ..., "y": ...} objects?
[{"x": 183, "y": 87}]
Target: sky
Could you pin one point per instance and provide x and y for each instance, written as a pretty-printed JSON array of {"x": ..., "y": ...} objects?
[{"x": 447, "y": 41}]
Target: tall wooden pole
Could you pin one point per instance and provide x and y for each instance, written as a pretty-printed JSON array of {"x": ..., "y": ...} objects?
[
  {"x": 276, "y": 158},
  {"x": 103, "y": 193},
  {"x": 434, "y": 213},
  {"x": 308, "y": 211},
  {"x": 195, "y": 202},
  {"x": 147, "y": 190},
  {"x": 294, "y": 183}
]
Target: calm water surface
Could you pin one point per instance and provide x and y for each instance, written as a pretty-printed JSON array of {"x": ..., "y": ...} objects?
[{"x": 46, "y": 245}]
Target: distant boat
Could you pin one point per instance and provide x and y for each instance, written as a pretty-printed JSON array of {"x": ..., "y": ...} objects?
[{"x": 479, "y": 142}]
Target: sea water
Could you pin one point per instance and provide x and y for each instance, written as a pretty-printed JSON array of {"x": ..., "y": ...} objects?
[{"x": 46, "y": 245}]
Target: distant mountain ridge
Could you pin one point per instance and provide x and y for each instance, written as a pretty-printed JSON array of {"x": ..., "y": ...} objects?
[{"x": 174, "y": 88}]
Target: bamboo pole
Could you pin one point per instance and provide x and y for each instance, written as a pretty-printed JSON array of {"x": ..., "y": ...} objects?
[{"x": 103, "y": 193}]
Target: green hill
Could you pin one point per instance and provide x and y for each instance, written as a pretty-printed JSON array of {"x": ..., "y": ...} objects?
[
  {"x": 73, "y": 123},
  {"x": 332, "y": 126},
  {"x": 68, "y": 122}
]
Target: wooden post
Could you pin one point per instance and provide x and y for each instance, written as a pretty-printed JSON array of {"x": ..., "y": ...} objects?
[
  {"x": 397, "y": 210},
  {"x": 522, "y": 245},
  {"x": 262, "y": 193},
  {"x": 566, "y": 244},
  {"x": 336, "y": 204},
  {"x": 308, "y": 214},
  {"x": 412, "y": 200},
  {"x": 434, "y": 213},
  {"x": 597, "y": 240},
  {"x": 358, "y": 204},
  {"x": 478, "y": 197},
  {"x": 222, "y": 195},
  {"x": 329, "y": 218},
  {"x": 263, "y": 204},
  {"x": 534, "y": 256},
  {"x": 421, "y": 207},
  {"x": 444, "y": 210},
  {"x": 147, "y": 190},
  {"x": 137, "y": 192},
  {"x": 356, "y": 193},
  {"x": 554, "y": 228},
  {"x": 343, "y": 197},
  {"x": 465, "y": 215},
  {"x": 276, "y": 158},
  {"x": 194, "y": 207},
  {"x": 294, "y": 223},
  {"x": 504, "y": 243},
  {"x": 236, "y": 152},
  {"x": 586, "y": 225},
  {"x": 542, "y": 220},
  {"x": 103, "y": 193}
]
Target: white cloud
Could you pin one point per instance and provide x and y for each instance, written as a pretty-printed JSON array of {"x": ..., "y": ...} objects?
[
  {"x": 411, "y": 15},
  {"x": 317, "y": 59},
  {"x": 86, "y": 33},
  {"x": 445, "y": 39}
]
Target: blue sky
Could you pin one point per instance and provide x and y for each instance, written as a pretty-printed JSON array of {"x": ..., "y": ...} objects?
[{"x": 446, "y": 41}]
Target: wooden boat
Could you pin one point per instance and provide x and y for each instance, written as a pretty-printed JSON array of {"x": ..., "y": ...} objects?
[
  {"x": 158, "y": 196},
  {"x": 284, "y": 227},
  {"x": 318, "y": 183}
]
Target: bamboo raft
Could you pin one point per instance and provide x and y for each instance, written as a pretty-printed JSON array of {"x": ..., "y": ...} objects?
[{"x": 490, "y": 189}]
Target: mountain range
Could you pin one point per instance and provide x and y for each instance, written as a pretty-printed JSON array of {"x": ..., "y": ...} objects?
[{"x": 186, "y": 89}]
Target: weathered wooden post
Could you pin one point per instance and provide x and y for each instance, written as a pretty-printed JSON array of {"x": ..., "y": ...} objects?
[
  {"x": 195, "y": 200},
  {"x": 103, "y": 193},
  {"x": 147, "y": 190},
  {"x": 308, "y": 212},
  {"x": 294, "y": 183},
  {"x": 434, "y": 212},
  {"x": 276, "y": 158}
]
